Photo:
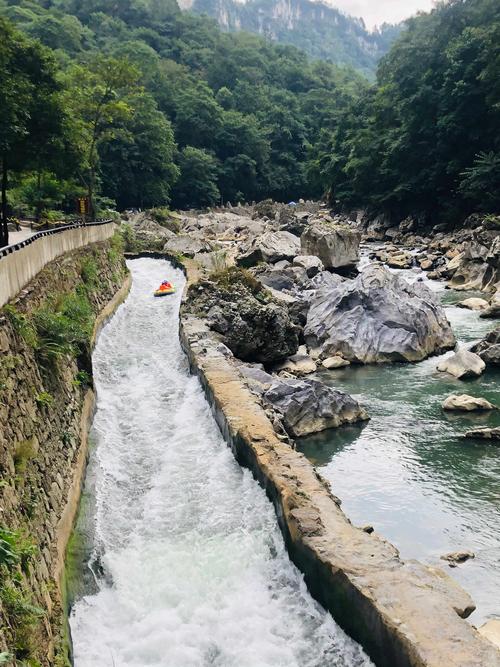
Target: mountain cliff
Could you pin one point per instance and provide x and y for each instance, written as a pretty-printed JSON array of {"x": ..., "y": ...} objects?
[{"x": 320, "y": 30}]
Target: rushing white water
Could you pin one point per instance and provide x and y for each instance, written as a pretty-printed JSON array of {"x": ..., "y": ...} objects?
[{"x": 195, "y": 569}]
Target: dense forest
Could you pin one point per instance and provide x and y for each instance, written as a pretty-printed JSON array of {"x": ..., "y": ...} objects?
[
  {"x": 425, "y": 140},
  {"x": 139, "y": 104},
  {"x": 136, "y": 104},
  {"x": 322, "y": 31}
]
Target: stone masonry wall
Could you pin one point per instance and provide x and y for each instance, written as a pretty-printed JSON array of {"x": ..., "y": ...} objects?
[{"x": 44, "y": 406}]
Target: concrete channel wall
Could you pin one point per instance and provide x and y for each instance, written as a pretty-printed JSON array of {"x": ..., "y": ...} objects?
[
  {"x": 20, "y": 263},
  {"x": 404, "y": 614}
]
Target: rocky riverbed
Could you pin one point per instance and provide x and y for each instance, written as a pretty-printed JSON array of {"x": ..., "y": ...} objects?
[{"x": 331, "y": 321}]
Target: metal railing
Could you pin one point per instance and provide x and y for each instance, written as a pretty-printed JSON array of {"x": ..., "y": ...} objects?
[{"x": 9, "y": 249}]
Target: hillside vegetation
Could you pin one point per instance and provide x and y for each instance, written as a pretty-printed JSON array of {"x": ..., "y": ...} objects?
[
  {"x": 145, "y": 105},
  {"x": 322, "y": 31},
  {"x": 137, "y": 104},
  {"x": 425, "y": 140}
]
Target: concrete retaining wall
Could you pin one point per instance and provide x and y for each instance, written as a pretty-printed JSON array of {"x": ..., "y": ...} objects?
[{"x": 22, "y": 265}]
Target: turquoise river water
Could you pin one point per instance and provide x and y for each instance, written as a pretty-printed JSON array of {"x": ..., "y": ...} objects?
[{"x": 408, "y": 472}]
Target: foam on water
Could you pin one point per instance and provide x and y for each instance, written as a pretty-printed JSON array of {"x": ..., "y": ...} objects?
[{"x": 193, "y": 569}]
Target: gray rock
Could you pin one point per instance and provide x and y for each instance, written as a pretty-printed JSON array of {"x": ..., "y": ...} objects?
[
  {"x": 187, "y": 245},
  {"x": 336, "y": 245},
  {"x": 253, "y": 325},
  {"x": 489, "y": 348},
  {"x": 335, "y": 362},
  {"x": 312, "y": 264},
  {"x": 458, "y": 557},
  {"x": 473, "y": 304},
  {"x": 309, "y": 406},
  {"x": 483, "y": 433},
  {"x": 493, "y": 309},
  {"x": 463, "y": 364},
  {"x": 298, "y": 365},
  {"x": 377, "y": 317},
  {"x": 271, "y": 247}
]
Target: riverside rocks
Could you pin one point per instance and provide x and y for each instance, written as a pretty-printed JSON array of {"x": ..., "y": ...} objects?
[
  {"x": 458, "y": 557},
  {"x": 305, "y": 406},
  {"x": 489, "y": 348},
  {"x": 270, "y": 247},
  {"x": 484, "y": 433},
  {"x": 309, "y": 406},
  {"x": 466, "y": 403},
  {"x": 377, "y": 317},
  {"x": 473, "y": 304},
  {"x": 187, "y": 245},
  {"x": 253, "y": 325},
  {"x": 337, "y": 245},
  {"x": 463, "y": 364}
]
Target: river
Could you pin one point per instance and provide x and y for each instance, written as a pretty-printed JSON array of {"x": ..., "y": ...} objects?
[
  {"x": 178, "y": 559},
  {"x": 409, "y": 473}
]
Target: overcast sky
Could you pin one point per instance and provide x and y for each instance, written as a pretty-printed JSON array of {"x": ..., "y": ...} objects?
[{"x": 375, "y": 12}]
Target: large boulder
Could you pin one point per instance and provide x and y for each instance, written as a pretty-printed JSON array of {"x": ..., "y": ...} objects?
[
  {"x": 309, "y": 406},
  {"x": 251, "y": 323},
  {"x": 337, "y": 245},
  {"x": 466, "y": 403},
  {"x": 493, "y": 309},
  {"x": 270, "y": 247},
  {"x": 377, "y": 317},
  {"x": 489, "y": 348},
  {"x": 463, "y": 364},
  {"x": 478, "y": 266},
  {"x": 312, "y": 264}
]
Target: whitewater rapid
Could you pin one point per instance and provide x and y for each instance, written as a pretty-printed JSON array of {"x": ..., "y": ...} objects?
[{"x": 191, "y": 567}]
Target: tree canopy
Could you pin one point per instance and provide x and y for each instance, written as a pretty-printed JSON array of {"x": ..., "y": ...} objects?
[{"x": 425, "y": 141}]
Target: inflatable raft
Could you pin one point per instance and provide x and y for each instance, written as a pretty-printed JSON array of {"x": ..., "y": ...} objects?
[{"x": 164, "y": 289}]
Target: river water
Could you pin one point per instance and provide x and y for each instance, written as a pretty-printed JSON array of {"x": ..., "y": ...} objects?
[
  {"x": 183, "y": 562},
  {"x": 408, "y": 472}
]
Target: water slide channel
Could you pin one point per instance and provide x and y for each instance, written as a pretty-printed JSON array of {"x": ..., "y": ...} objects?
[{"x": 177, "y": 559}]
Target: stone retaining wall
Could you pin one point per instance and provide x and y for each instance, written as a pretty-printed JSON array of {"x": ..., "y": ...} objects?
[
  {"x": 21, "y": 266},
  {"x": 404, "y": 614},
  {"x": 45, "y": 412}
]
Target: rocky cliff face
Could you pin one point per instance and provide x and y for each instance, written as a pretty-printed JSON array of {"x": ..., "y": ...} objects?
[
  {"x": 45, "y": 389},
  {"x": 320, "y": 30}
]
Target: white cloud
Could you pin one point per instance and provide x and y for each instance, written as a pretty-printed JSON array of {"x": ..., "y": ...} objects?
[{"x": 375, "y": 12}]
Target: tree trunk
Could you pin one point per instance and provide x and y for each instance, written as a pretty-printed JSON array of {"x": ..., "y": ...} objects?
[{"x": 4, "y": 230}]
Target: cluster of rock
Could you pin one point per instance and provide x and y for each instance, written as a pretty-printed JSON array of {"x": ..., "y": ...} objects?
[
  {"x": 276, "y": 277},
  {"x": 469, "y": 258}
]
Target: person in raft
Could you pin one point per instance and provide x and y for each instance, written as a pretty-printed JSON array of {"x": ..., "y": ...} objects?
[{"x": 165, "y": 284}]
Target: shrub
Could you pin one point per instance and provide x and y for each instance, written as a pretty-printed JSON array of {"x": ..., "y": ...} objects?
[
  {"x": 44, "y": 398},
  {"x": 229, "y": 278},
  {"x": 130, "y": 240},
  {"x": 89, "y": 271},
  {"x": 64, "y": 328},
  {"x": 164, "y": 217}
]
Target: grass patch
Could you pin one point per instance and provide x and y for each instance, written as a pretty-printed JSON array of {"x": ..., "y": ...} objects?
[
  {"x": 22, "y": 325},
  {"x": 16, "y": 553},
  {"x": 63, "y": 327}
]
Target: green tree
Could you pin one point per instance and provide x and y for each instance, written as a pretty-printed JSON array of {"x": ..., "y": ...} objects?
[
  {"x": 99, "y": 96},
  {"x": 137, "y": 163},
  {"x": 31, "y": 114},
  {"x": 197, "y": 184}
]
